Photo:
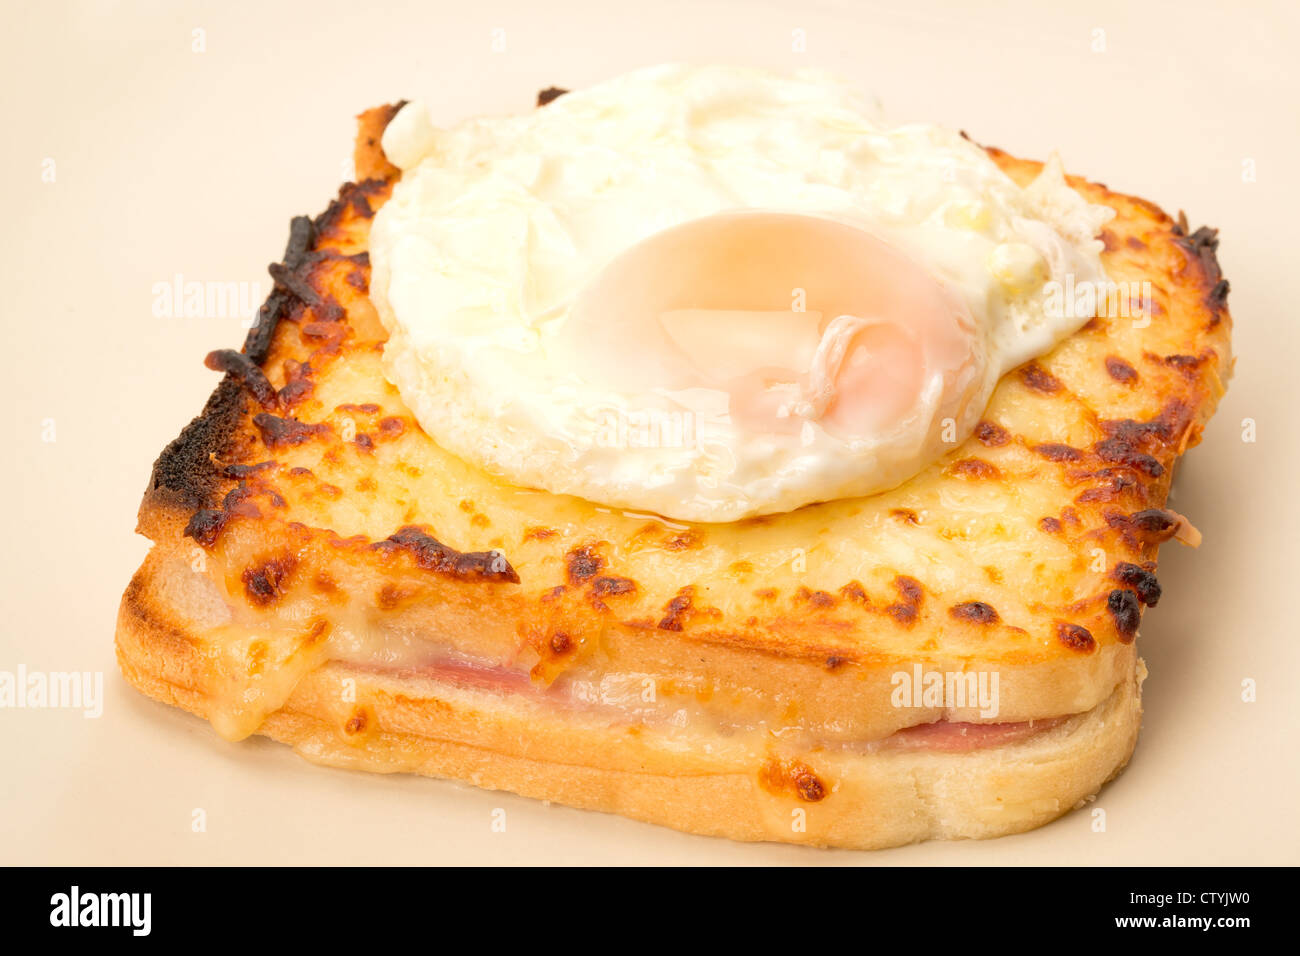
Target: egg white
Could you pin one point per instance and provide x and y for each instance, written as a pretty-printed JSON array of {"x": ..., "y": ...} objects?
[{"x": 498, "y": 225}]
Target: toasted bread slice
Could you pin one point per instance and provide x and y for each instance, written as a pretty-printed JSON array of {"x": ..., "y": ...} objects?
[
  {"x": 693, "y": 777},
  {"x": 323, "y": 573}
]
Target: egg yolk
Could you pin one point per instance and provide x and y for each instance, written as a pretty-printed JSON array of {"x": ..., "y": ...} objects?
[{"x": 796, "y": 318}]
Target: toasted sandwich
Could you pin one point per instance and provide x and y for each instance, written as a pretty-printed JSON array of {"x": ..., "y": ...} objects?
[{"x": 950, "y": 657}]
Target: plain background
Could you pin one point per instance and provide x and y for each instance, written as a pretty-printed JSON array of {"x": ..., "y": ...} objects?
[{"x": 168, "y": 160}]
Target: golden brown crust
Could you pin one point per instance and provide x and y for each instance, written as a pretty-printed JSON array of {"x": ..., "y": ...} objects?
[{"x": 368, "y": 156}]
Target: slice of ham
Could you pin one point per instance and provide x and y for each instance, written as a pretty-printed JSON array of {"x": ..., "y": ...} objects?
[
  {"x": 959, "y": 737},
  {"x": 941, "y": 736}
]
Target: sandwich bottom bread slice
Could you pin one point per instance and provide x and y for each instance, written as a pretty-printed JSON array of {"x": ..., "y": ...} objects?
[
  {"x": 953, "y": 658},
  {"x": 696, "y": 778}
]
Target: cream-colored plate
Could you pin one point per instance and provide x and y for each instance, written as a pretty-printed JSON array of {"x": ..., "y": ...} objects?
[{"x": 169, "y": 160}]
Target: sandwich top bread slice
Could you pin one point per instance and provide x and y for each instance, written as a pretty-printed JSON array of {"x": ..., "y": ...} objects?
[{"x": 952, "y": 658}]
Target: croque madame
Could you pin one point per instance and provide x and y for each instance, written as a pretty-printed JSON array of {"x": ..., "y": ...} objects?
[{"x": 322, "y": 573}]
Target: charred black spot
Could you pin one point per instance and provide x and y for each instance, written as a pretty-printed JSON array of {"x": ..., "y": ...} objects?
[
  {"x": 583, "y": 563},
  {"x": 609, "y": 586},
  {"x": 295, "y": 391},
  {"x": 1140, "y": 580},
  {"x": 1117, "y": 483},
  {"x": 241, "y": 368},
  {"x": 910, "y": 589},
  {"x": 1124, "y": 607},
  {"x": 904, "y": 614},
  {"x": 1154, "y": 520},
  {"x": 330, "y": 310},
  {"x": 206, "y": 525},
  {"x": 1218, "y": 296},
  {"x": 347, "y": 199},
  {"x": 1137, "y": 433},
  {"x": 613, "y": 585},
  {"x": 815, "y": 598},
  {"x": 782, "y": 777},
  {"x": 265, "y": 583},
  {"x": 549, "y": 94},
  {"x": 1149, "y": 526},
  {"x": 298, "y": 385},
  {"x": 1203, "y": 244},
  {"x": 361, "y": 206},
  {"x": 289, "y": 279},
  {"x": 1121, "y": 452},
  {"x": 356, "y": 723},
  {"x": 1039, "y": 379},
  {"x": 278, "y": 432},
  {"x": 677, "y": 609},
  {"x": 432, "y": 555},
  {"x": 976, "y": 612},
  {"x": 236, "y": 497},
  {"x": 911, "y": 594},
  {"x": 1057, "y": 452},
  {"x": 809, "y": 787},
  {"x": 1075, "y": 637},
  {"x": 245, "y": 471}
]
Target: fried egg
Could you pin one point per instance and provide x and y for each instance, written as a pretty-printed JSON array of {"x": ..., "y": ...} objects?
[{"x": 710, "y": 292}]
